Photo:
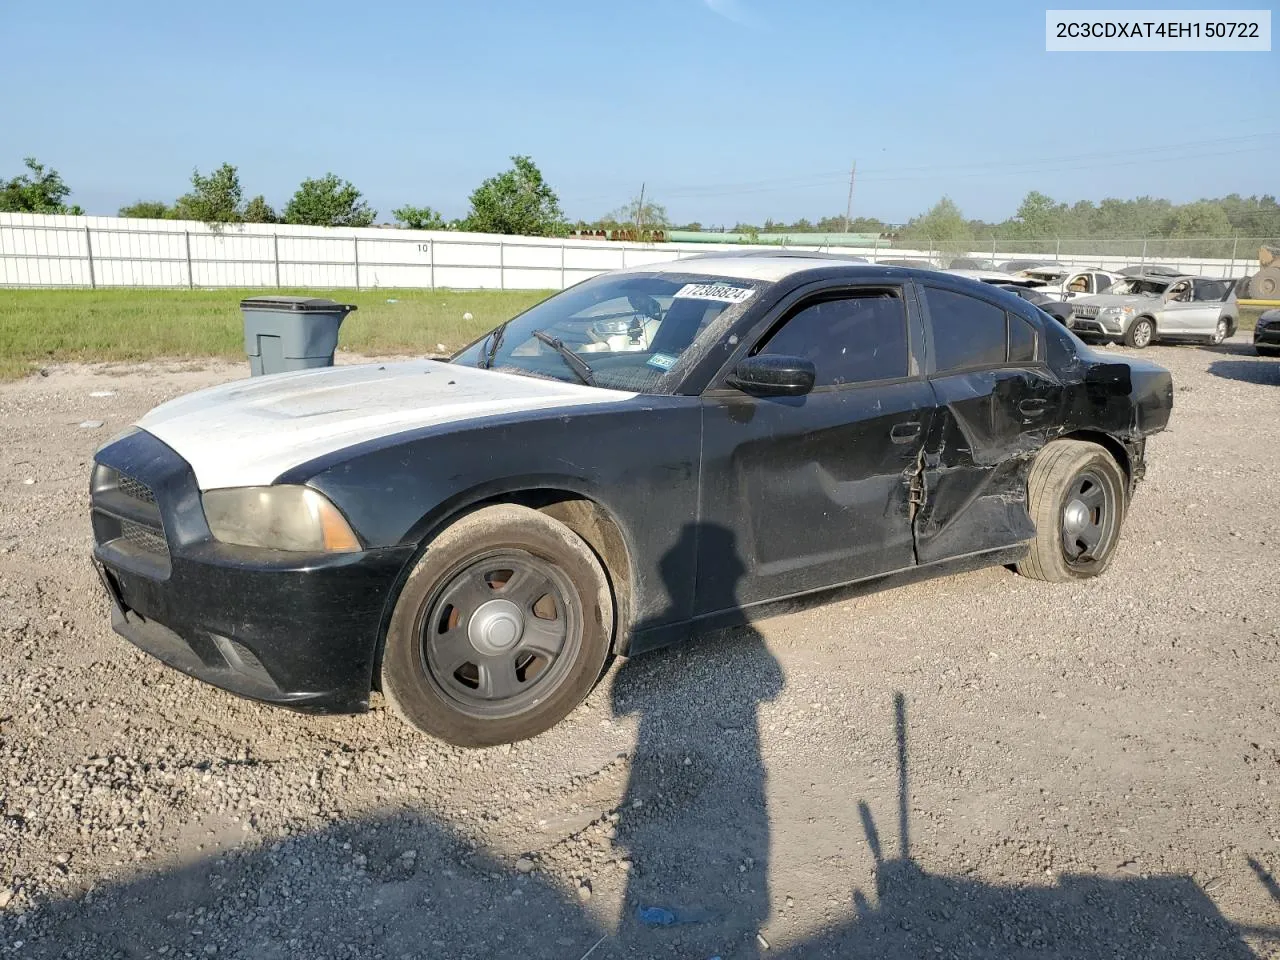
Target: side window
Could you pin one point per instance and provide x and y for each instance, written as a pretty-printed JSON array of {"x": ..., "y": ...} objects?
[
  {"x": 1022, "y": 340},
  {"x": 852, "y": 339},
  {"x": 967, "y": 332}
]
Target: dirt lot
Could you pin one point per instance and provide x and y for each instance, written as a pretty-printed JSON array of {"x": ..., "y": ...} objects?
[{"x": 1091, "y": 769}]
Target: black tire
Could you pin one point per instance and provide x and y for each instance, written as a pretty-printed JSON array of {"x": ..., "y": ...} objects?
[
  {"x": 443, "y": 612},
  {"x": 1140, "y": 333},
  {"x": 1053, "y": 487},
  {"x": 1267, "y": 351}
]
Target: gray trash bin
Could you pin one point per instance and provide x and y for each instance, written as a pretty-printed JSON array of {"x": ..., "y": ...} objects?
[{"x": 291, "y": 333}]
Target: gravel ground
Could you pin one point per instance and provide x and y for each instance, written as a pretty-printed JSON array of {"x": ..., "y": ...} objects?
[{"x": 1091, "y": 769}]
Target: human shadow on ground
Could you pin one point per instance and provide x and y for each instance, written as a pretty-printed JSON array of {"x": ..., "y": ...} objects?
[
  {"x": 695, "y": 823},
  {"x": 694, "y": 817},
  {"x": 1261, "y": 370}
]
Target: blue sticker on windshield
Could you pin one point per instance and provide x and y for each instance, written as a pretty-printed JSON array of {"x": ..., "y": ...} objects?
[{"x": 663, "y": 361}]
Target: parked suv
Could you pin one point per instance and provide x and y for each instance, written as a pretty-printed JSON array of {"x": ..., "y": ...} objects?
[{"x": 1141, "y": 309}]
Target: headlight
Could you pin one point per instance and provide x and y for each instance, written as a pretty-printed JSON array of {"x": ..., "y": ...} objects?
[{"x": 278, "y": 518}]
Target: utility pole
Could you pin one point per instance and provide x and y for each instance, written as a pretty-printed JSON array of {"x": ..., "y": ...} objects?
[
  {"x": 640, "y": 214},
  {"x": 848, "y": 208}
]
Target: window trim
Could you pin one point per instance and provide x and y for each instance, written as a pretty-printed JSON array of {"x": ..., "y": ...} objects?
[{"x": 934, "y": 373}]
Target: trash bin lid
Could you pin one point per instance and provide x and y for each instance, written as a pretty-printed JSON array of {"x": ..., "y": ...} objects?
[{"x": 299, "y": 304}]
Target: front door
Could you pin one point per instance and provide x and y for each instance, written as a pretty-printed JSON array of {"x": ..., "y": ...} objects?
[
  {"x": 815, "y": 490},
  {"x": 996, "y": 399}
]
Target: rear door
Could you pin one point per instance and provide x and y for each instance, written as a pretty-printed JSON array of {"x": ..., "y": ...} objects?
[
  {"x": 815, "y": 490},
  {"x": 995, "y": 397},
  {"x": 1210, "y": 300}
]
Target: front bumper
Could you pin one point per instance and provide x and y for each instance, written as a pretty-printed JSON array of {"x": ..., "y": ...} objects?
[
  {"x": 1267, "y": 334},
  {"x": 298, "y": 630}
]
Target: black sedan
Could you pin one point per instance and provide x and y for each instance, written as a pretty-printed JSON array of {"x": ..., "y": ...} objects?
[
  {"x": 651, "y": 452},
  {"x": 1058, "y": 309},
  {"x": 1266, "y": 334}
]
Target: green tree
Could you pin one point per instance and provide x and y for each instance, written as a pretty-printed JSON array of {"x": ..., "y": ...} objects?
[
  {"x": 1201, "y": 219},
  {"x": 216, "y": 198},
  {"x": 1040, "y": 215},
  {"x": 258, "y": 210},
  {"x": 518, "y": 201},
  {"x": 329, "y": 202},
  {"x": 419, "y": 218},
  {"x": 39, "y": 190},
  {"x": 942, "y": 221},
  {"x": 147, "y": 210},
  {"x": 646, "y": 216}
]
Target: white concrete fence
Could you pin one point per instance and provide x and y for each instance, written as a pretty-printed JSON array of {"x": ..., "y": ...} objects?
[{"x": 39, "y": 250}]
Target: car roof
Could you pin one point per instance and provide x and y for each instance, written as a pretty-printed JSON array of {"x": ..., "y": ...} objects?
[{"x": 752, "y": 265}]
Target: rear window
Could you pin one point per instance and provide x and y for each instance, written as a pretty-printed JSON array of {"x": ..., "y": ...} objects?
[
  {"x": 1211, "y": 289},
  {"x": 970, "y": 333},
  {"x": 967, "y": 332}
]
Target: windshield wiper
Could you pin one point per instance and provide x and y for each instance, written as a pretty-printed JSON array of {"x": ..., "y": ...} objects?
[
  {"x": 495, "y": 341},
  {"x": 571, "y": 359}
]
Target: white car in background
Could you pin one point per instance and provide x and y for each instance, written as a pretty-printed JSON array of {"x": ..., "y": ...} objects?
[{"x": 1066, "y": 282}]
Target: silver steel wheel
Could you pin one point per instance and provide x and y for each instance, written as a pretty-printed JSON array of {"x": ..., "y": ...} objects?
[
  {"x": 501, "y": 633},
  {"x": 1219, "y": 332},
  {"x": 1089, "y": 518},
  {"x": 1142, "y": 333}
]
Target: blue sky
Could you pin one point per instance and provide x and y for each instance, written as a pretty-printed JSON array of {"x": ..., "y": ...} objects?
[{"x": 727, "y": 109}]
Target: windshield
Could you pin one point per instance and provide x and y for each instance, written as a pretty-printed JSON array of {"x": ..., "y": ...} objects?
[
  {"x": 1139, "y": 286},
  {"x": 626, "y": 332}
]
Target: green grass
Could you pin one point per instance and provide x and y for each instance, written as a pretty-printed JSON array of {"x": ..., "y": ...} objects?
[
  {"x": 39, "y": 327},
  {"x": 1249, "y": 319}
]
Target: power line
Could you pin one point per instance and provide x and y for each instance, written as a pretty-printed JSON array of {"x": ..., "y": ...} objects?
[{"x": 1032, "y": 165}]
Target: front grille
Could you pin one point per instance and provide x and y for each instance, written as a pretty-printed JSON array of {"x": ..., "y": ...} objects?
[
  {"x": 127, "y": 521},
  {"x": 136, "y": 489},
  {"x": 144, "y": 537}
]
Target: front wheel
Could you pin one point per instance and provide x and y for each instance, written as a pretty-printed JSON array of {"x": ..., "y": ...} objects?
[
  {"x": 1076, "y": 496},
  {"x": 502, "y": 628},
  {"x": 1267, "y": 351},
  {"x": 1140, "y": 333}
]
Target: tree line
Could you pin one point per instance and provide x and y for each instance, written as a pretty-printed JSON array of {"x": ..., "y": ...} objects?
[
  {"x": 519, "y": 201},
  {"x": 516, "y": 201}
]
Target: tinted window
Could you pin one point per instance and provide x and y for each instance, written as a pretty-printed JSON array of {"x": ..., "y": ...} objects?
[
  {"x": 850, "y": 340},
  {"x": 967, "y": 332},
  {"x": 1212, "y": 289},
  {"x": 1022, "y": 340}
]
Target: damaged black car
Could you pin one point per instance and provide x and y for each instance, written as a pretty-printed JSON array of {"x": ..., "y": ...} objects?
[{"x": 651, "y": 452}]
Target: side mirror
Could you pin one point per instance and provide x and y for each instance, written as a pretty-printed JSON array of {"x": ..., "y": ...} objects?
[
  {"x": 1109, "y": 380},
  {"x": 774, "y": 375}
]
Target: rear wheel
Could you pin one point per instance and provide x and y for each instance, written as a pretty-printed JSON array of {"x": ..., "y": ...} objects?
[
  {"x": 1267, "y": 351},
  {"x": 502, "y": 629},
  {"x": 1076, "y": 499},
  {"x": 1221, "y": 331},
  {"x": 1140, "y": 333}
]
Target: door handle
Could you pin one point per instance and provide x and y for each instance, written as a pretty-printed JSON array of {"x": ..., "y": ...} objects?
[
  {"x": 1033, "y": 406},
  {"x": 905, "y": 432}
]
